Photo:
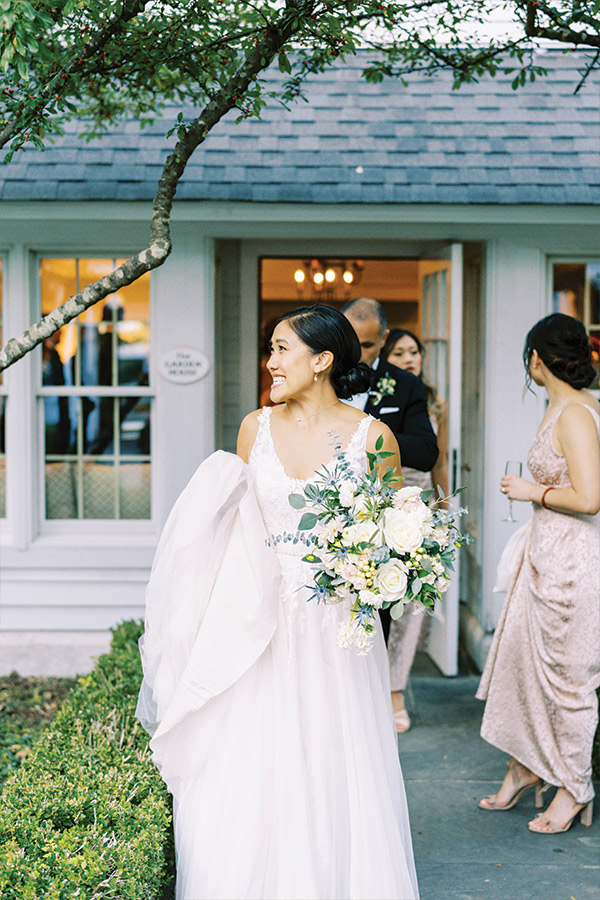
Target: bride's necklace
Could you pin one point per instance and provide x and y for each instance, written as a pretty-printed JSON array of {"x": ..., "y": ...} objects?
[{"x": 306, "y": 418}]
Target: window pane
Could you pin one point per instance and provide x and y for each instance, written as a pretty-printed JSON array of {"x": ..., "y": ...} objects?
[
  {"x": 99, "y": 489},
  {"x": 134, "y": 486},
  {"x": 61, "y": 490},
  {"x": 135, "y": 426},
  {"x": 98, "y": 425},
  {"x": 569, "y": 286}
]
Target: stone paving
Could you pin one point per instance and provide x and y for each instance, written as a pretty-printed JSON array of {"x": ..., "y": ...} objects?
[{"x": 462, "y": 852}]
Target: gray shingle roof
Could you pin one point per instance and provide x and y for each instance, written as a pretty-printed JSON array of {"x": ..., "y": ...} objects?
[{"x": 355, "y": 142}]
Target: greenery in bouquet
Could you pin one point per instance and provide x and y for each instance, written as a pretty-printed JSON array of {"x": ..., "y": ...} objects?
[{"x": 375, "y": 544}]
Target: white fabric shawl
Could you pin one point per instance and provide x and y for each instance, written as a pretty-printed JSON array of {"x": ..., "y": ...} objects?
[{"x": 211, "y": 610}]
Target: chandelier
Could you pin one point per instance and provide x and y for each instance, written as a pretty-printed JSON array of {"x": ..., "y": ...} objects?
[{"x": 328, "y": 278}]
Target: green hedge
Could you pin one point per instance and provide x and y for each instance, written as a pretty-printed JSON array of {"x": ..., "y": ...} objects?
[{"x": 87, "y": 815}]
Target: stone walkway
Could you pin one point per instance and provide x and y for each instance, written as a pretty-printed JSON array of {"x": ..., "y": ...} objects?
[{"x": 462, "y": 852}]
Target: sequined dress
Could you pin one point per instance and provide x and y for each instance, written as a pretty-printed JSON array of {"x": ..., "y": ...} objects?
[
  {"x": 543, "y": 666},
  {"x": 305, "y": 801}
]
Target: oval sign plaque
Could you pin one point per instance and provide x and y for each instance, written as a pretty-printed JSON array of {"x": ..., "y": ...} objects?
[{"x": 183, "y": 365}]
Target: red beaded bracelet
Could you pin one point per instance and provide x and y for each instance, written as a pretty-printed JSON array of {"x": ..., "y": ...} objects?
[{"x": 543, "y": 500}]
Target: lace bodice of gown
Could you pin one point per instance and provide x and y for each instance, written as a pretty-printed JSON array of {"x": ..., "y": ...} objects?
[
  {"x": 545, "y": 463},
  {"x": 273, "y": 485}
]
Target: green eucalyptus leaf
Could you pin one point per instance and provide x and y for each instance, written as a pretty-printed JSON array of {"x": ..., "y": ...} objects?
[
  {"x": 308, "y": 521},
  {"x": 297, "y": 501}
]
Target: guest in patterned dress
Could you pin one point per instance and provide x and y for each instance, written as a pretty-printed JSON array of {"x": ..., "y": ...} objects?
[
  {"x": 543, "y": 667},
  {"x": 405, "y": 351}
]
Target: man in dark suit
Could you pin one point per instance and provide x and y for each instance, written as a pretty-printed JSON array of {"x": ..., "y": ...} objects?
[{"x": 396, "y": 397}]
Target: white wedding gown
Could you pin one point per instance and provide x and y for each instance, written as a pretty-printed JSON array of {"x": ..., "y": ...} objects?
[{"x": 297, "y": 791}]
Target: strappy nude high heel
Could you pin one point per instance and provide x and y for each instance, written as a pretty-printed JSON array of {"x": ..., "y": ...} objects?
[
  {"x": 585, "y": 817},
  {"x": 490, "y": 802}
]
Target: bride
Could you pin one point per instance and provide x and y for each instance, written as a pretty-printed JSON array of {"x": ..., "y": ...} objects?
[{"x": 277, "y": 744}]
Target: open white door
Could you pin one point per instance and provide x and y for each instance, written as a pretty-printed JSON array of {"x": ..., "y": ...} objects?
[{"x": 441, "y": 333}]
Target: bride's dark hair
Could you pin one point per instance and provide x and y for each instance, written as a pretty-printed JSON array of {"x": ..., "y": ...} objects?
[
  {"x": 324, "y": 328},
  {"x": 563, "y": 345}
]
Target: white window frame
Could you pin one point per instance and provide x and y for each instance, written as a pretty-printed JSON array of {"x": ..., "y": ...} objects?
[
  {"x": 49, "y": 530},
  {"x": 585, "y": 259},
  {"x": 4, "y": 392}
]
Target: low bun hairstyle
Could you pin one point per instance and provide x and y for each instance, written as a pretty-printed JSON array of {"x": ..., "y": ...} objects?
[
  {"x": 323, "y": 328},
  {"x": 563, "y": 345}
]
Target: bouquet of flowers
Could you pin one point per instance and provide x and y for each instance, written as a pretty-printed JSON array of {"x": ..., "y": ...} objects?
[{"x": 374, "y": 545}]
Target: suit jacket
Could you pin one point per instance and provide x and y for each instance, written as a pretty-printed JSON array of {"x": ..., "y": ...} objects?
[{"x": 404, "y": 410}]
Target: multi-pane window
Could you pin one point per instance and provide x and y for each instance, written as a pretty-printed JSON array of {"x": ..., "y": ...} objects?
[
  {"x": 2, "y": 422},
  {"x": 576, "y": 292},
  {"x": 95, "y": 398}
]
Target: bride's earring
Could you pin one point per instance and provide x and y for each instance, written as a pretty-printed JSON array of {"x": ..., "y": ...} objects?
[{"x": 316, "y": 378}]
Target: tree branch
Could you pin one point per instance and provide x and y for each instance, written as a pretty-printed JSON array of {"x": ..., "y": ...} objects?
[
  {"x": 57, "y": 85},
  {"x": 159, "y": 246}
]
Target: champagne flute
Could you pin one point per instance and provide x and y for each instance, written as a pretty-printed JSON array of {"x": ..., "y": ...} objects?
[{"x": 512, "y": 467}]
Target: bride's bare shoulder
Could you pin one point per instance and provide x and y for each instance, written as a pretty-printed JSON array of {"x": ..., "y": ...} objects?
[{"x": 247, "y": 435}]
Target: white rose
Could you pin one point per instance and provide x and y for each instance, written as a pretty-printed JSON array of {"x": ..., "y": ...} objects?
[
  {"x": 392, "y": 580},
  {"x": 442, "y": 583},
  {"x": 404, "y": 494},
  {"x": 400, "y": 531},
  {"x": 347, "y": 493},
  {"x": 440, "y": 536},
  {"x": 364, "y": 530}
]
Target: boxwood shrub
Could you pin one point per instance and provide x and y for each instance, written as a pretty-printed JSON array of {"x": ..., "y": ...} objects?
[{"x": 87, "y": 816}]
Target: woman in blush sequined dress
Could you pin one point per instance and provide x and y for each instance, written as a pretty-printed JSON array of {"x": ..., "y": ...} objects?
[
  {"x": 543, "y": 668},
  {"x": 277, "y": 744}
]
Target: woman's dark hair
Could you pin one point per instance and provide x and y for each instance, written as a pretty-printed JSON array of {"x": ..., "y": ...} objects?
[
  {"x": 564, "y": 347},
  {"x": 324, "y": 328},
  {"x": 394, "y": 335}
]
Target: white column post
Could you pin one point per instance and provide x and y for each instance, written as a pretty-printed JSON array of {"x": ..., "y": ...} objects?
[
  {"x": 22, "y": 506},
  {"x": 515, "y": 300},
  {"x": 183, "y": 431}
]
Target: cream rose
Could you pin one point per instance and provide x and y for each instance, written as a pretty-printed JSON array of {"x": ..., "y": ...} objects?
[
  {"x": 392, "y": 580},
  {"x": 363, "y": 530},
  {"x": 405, "y": 494},
  {"x": 400, "y": 531}
]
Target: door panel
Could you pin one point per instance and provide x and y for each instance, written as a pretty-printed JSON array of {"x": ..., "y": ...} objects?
[{"x": 441, "y": 334}]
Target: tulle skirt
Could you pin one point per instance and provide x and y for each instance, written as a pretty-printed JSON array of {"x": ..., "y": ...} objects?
[{"x": 299, "y": 792}]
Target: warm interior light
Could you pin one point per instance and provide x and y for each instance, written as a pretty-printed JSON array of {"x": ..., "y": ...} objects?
[
  {"x": 318, "y": 278},
  {"x": 329, "y": 275},
  {"x": 348, "y": 276},
  {"x": 299, "y": 276}
]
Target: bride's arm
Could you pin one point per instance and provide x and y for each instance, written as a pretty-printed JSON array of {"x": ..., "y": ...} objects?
[
  {"x": 577, "y": 438},
  {"x": 377, "y": 429},
  {"x": 247, "y": 435}
]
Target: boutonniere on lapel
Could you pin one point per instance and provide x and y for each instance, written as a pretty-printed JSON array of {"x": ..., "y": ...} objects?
[{"x": 386, "y": 385}]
